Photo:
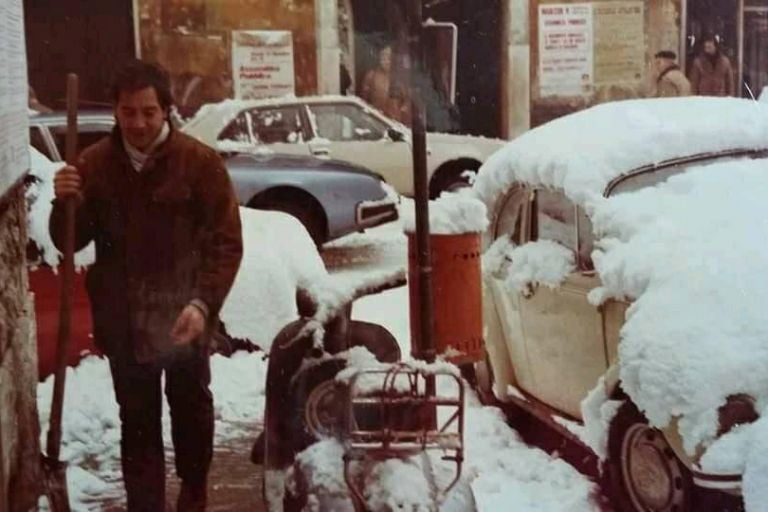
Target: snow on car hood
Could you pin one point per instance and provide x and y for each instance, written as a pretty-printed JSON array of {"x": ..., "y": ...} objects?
[
  {"x": 582, "y": 152},
  {"x": 691, "y": 254}
]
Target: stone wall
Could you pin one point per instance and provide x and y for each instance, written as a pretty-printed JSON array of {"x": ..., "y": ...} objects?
[{"x": 19, "y": 428}]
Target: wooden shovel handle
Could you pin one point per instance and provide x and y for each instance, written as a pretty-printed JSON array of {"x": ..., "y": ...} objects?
[{"x": 67, "y": 280}]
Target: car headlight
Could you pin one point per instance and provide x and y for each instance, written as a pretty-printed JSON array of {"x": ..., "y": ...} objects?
[{"x": 737, "y": 410}]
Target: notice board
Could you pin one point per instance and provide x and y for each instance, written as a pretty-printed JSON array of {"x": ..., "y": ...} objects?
[
  {"x": 262, "y": 63},
  {"x": 14, "y": 95},
  {"x": 587, "y": 45}
]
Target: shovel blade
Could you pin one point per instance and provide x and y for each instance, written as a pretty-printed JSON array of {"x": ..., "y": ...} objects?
[{"x": 55, "y": 482}]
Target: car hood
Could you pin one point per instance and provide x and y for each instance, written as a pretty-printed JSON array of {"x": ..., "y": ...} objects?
[{"x": 279, "y": 161}]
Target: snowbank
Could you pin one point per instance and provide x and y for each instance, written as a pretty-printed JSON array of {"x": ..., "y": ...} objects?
[
  {"x": 689, "y": 253},
  {"x": 581, "y": 153},
  {"x": 91, "y": 425},
  {"x": 39, "y": 197},
  {"x": 278, "y": 256},
  {"x": 450, "y": 214},
  {"x": 500, "y": 471}
]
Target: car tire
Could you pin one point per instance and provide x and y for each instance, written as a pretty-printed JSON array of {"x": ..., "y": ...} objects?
[
  {"x": 643, "y": 472},
  {"x": 309, "y": 217},
  {"x": 451, "y": 179}
]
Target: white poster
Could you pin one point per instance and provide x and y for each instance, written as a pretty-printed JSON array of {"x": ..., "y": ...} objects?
[
  {"x": 262, "y": 63},
  {"x": 14, "y": 123},
  {"x": 565, "y": 49}
]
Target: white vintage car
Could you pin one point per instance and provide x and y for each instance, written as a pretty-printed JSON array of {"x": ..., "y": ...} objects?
[
  {"x": 344, "y": 128},
  {"x": 625, "y": 290}
]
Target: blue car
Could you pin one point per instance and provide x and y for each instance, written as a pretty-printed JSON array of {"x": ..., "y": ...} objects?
[{"x": 331, "y": 198}]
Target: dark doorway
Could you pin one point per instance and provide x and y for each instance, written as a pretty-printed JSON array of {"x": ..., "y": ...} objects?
[
  {"x": 717, "y": 18},
  {"x": 477, "y": 109},
  {"x": 89, "y": 38}
]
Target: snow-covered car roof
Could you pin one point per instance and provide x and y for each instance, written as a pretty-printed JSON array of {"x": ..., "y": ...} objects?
[
  {"x": 214, "y": 117},
  {"x": 583, "y": 152}
]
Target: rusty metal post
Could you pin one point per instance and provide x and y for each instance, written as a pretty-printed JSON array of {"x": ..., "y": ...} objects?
[{"x": 413, "y": 15}]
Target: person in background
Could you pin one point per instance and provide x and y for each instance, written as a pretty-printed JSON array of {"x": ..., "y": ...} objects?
[
  {"x": 670, "y": 80},
  {"x": 375, "y": 86},
  {"x": 711, "y": 72},
  {"x": 161, "y": 210}
]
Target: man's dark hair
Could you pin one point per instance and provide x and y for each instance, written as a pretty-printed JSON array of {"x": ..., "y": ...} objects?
[
  {"x": 666, "y": 54},
  {"x": 710, "y": 37},
  {"x": 136, "y": 75}
]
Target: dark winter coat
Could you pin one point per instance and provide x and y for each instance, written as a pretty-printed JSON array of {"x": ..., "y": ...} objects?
[
  {"x": 712, "y": 77},
  {"x": 164, "y": 236}
]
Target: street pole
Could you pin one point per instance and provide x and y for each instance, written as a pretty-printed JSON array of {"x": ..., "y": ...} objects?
[{"x": 413, "y": 16}]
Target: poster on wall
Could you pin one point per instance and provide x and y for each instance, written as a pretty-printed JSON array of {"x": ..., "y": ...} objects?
[
  {"x": 262, "y": 63},
  {"x": 565, "y": 49},
  {"x": 14, "y": 130},
  {"x": 619, "y": 42}
]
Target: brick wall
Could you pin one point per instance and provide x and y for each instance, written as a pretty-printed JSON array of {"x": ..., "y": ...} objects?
[{"x": 19, "y": 427}]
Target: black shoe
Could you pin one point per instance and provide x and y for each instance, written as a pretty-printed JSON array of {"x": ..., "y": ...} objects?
[
  {"x": 192, "y": 497},
  {"x": 257, "y": 451}
]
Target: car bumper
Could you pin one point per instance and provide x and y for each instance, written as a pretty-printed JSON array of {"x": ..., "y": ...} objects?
[{"x": 374, "y": 213}]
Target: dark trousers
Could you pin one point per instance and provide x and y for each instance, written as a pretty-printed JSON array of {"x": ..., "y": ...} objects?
[{"x": 139, "y": 395}]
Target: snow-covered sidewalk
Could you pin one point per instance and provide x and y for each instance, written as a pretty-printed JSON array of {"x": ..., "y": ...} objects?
[{"x": 500, "y": 470}]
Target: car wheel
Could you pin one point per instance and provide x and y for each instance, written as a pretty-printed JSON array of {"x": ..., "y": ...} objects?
[
  {"x": 451, "y": 179},
  {"x": 643, "y": 472},
  {"x": 310, "y": 218}
]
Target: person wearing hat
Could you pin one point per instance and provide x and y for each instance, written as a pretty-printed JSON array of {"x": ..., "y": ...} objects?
[{"x": 670, "y": 80}]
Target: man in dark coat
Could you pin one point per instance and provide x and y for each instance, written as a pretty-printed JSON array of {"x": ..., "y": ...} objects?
[
  {"x": 162, "y": 213},
  {"x": 711, "y": 72}
]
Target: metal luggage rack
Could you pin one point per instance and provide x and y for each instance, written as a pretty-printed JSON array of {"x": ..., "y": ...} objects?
[{"x": 405, "y": 422}]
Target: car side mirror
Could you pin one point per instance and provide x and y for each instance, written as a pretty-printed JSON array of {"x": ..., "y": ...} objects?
[{"x": 395, "y": 135}]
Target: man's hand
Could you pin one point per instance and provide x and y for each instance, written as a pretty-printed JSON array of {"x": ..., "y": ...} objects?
[
  {"x": 189, "y": 326},
  {"x": 67, "y": 183}
]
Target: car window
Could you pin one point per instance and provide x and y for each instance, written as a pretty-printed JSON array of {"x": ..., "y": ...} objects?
[
  {"x": 510, "y": 220},
  {"x": 37, "y": 140},
  {"x": 87, "y": 135},
  {"x": 273, "y": 125},
  {"x": 653, "y": 177},
  {"x": 346, "y": 123},
  {"x": 555, "y": 218},
  {"x": 586, "y": 241},
  {"x": 238, "y": 130}
]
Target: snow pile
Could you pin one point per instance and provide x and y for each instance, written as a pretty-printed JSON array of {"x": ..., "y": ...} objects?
[
  {"x": 91, "y": 424},
  {"x": 278, "y": 255},
  {"x": 598, "y": 412},
  {"x": 544, "y": 262},
  {"x": 451, "y": 214},
  {"x": 501, "y": 471},
  {"x": 696, "y": 332},
  {"x": 39, "y": 196},
  {"x": 616, "y": 137}
]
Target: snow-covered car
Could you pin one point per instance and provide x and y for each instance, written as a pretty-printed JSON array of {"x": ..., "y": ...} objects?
[
  {"x": 278, "y": 256},
  {"x": 343, "y": 127},
  {"x": 625, "y": 291},
  {"x": 331, "y": 198}
]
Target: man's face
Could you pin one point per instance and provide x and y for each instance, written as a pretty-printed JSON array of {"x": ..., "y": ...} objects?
[
  {"x": 710, "y": 48},
  {"x": 662, "y": 64},
  {"x": 139, "y": 116}
]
